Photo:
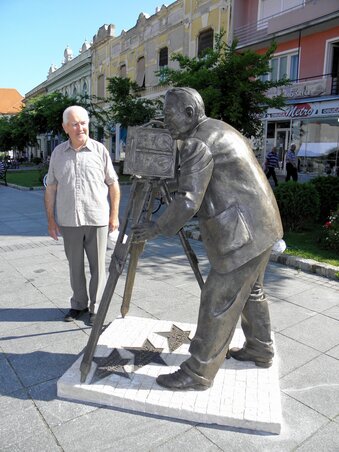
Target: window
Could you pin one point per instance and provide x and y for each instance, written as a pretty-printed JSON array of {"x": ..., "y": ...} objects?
[
  {"x": 205, "y": 41},
  {"x": 123, "y": 71},
  {"x": 141, "y": 72},
  {"x": 163, "y": 57},
  {"x": 268, "y": 8},
  {"x": 101, "y": 86},
  {"x": 284, "y": 66},
  {"x": 84, "y": 89}
]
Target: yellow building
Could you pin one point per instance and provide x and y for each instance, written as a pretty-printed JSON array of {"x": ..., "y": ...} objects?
[{"x": 184, "y": 26}]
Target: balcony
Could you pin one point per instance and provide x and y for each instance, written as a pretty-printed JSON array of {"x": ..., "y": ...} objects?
[
  {"x": 316, "y": 86},
  {"x": 306, "y": 14}
]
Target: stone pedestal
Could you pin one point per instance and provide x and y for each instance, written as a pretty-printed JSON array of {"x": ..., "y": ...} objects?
[{"x": 133, "y": 351}]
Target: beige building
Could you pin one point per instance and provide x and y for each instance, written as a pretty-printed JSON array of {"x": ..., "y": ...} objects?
[{"x": 184, "y": 26}]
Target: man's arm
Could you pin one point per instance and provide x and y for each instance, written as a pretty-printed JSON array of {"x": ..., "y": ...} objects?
[
  {"x": 50, "y": 195},
  {"x": 114, "y": 200}
]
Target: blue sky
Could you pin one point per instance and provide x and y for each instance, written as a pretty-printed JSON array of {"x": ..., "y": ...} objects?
[{"x": 35, "y": 33}]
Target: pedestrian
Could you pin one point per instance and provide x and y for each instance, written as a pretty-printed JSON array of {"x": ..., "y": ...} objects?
[
  {"x": 82, "y": 204},
  {"x": 222, "y": 182},
  {"x": 271, "y": 163},
  {"x": 291, "y": 164}
]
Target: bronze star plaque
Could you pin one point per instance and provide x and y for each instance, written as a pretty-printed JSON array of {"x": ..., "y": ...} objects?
[
  {"x": 176, "y": 337},
  {"x": 145, "y": 355},
  {"x": 112, "y": 364}
]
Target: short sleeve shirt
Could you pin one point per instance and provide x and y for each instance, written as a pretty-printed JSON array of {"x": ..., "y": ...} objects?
[
  {"x": 82, "y": 179},
  {"x": 290, "y": 157}
]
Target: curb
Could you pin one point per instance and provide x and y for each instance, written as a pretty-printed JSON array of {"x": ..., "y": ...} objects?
[
  {"x": 307, "y": 265},
  {"x": 20, "y": 187}
]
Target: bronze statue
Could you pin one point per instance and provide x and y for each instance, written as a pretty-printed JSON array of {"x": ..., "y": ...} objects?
[{"x": 221, "y": 181}]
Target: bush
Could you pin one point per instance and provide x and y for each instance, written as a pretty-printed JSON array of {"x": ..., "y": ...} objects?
[
  {"x": 328, "y": 190},
  {"x": 299, "y": 204},
  {"x": 43, "y": 170},
  {"x": 36, "y": 160},
  {"x": 330, "y": 234}
]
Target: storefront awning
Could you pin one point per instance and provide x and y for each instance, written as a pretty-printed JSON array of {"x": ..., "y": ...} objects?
[{"x": 316, "y": 149}]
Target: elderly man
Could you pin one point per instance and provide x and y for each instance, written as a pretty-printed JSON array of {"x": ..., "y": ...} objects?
[
  {"x": 221, "y": 181},
  {"x": 83, "y": 190}
]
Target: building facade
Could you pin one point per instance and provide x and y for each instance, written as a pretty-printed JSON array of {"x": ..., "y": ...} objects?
[
  {"x": 185, "y": 26},
  {"x": 72, "y": 78},
  {"x": 307, "y": 36}
]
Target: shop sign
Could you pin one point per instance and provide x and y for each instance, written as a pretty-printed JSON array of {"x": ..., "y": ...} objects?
[
  {"x": 295, "y": 111},
  {"x": 305, "y": 110},
  {"x": 301, "y": 111}
]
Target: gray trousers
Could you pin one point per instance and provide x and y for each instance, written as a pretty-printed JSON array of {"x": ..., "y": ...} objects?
[
  {"x": 224, "y": 298},
  {"x": 91, "y": 240}
]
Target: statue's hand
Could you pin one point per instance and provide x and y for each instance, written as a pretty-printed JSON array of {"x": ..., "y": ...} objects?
[{"x": 145, "y": 231}]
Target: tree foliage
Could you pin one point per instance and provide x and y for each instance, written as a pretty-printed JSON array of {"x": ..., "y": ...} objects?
[
  {"x": 229, "y": 83},
  {"x": 125, "y": 105},
  {"x": 41, "y": 115}
]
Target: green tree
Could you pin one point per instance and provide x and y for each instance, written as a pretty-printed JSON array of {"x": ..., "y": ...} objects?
[
  {"x": 230, "y": 83},
  {"x": 5, "y": 134},
  {"x": 46, "y": 112},
  {"x": 125, "y": 104},
  {"x": 41, "y": 115}
]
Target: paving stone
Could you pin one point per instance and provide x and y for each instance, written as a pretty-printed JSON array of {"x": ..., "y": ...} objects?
[
  {"x": 9, "y": 382},
  {"x": 292, "y": 354},
  {"x": 316, "y": 298},
  {"x": 22, "y": 428},
  {"x": 299, "y": 422},
  {"x": 242, "y": 395},
  {"x": 316, "y": 385},
  {"x": 319, "y": 331},
  {"x": 326, "y": 439},
  {"x": 54, "y": 410}
]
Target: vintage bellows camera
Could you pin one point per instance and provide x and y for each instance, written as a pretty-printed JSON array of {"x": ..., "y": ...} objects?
[{"x": 150, "y": 152}]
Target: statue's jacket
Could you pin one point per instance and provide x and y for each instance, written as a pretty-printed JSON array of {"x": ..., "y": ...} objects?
[{"x": 222, "y": 182}]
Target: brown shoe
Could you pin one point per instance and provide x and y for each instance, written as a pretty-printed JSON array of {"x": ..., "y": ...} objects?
[{"x": 241, "y": 354}]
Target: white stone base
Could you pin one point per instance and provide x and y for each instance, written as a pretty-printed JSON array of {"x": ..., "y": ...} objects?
[{"x": 242, "y": 396}]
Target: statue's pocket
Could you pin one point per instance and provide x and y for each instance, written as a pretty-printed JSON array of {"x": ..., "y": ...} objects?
[{"x": 227, "y": 231}]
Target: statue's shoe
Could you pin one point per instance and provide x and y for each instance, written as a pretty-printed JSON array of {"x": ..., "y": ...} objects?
[
  {"x": 180, "y": 381},
  {"x": 241, "y": 354}
]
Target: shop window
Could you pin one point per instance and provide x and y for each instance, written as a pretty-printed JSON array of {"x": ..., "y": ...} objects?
[
  {"x": 123, "y": 71},
  {"x": 205, "y": 41},
  {"x": 101, "y": 86},
  {"x": 141, "y": 72}
]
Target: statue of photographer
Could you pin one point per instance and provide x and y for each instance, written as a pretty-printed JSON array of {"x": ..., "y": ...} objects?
[{"x": 221, "y": 181}]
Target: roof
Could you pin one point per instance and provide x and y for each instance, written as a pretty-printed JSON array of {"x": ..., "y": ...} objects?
[{"x": 10, "y": 101}]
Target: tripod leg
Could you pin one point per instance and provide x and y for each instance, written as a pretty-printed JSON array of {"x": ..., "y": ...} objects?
[
  {"x": 135, "y": 251},
  {"x": 191, "y": 256},
  {"x": 116, "y": 267}
]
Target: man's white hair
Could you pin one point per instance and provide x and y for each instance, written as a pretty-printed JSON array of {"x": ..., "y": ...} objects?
[{"x": 74, "y": 108}]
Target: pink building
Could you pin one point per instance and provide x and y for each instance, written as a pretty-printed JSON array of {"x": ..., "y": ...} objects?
[{"x": 307, "y": 37}]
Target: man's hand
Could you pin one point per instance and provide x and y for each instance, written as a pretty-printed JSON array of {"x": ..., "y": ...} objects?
[
  {"x": 113, "y": 223},
  {"x": 145, "y": 231},
  {"x": 53, "y": 229}
]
